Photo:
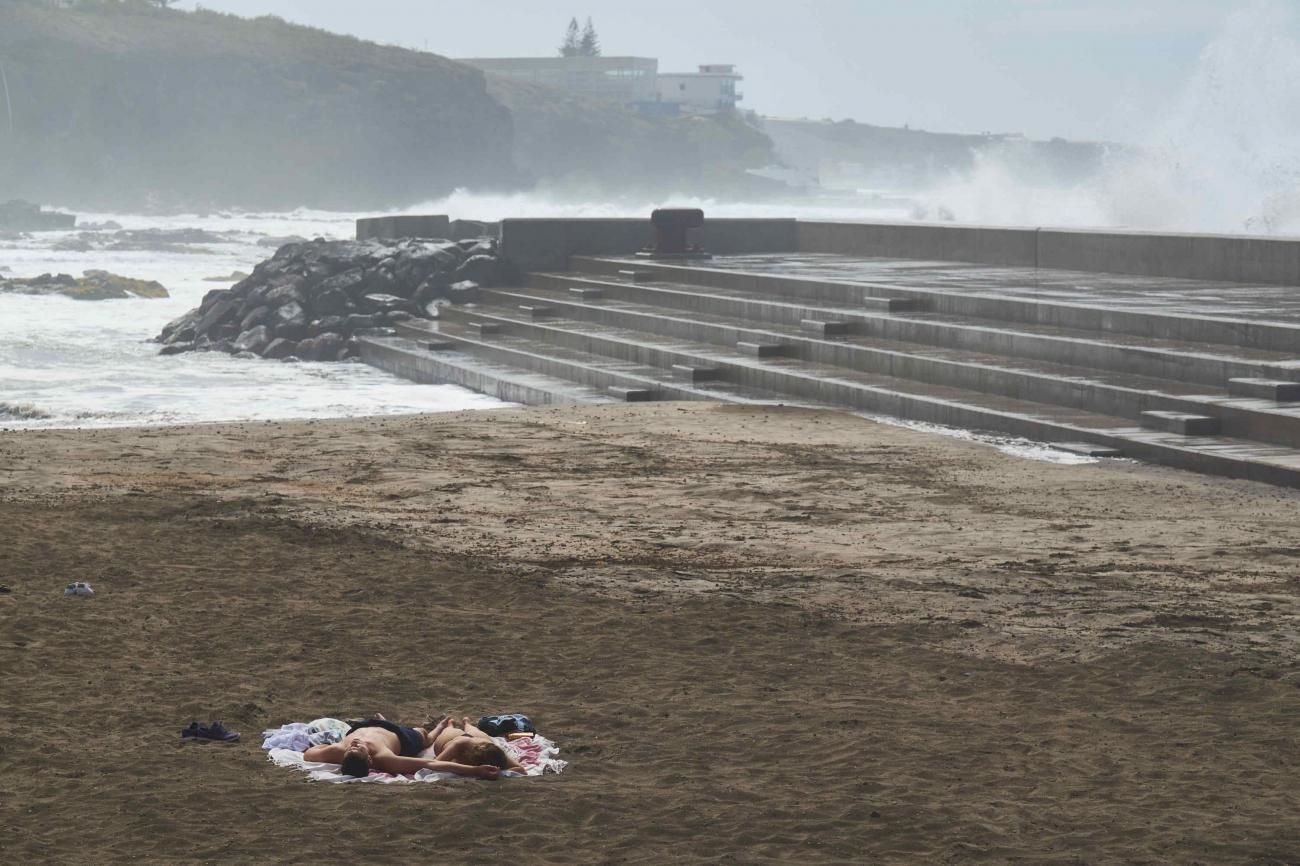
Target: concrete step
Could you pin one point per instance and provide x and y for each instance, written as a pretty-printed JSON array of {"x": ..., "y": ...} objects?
[
  {"x": 695, "y": 373},
  {"x": 818, "y": 385},
  {"x": 762, "y": 349},
  {"x": 536, "y": 311},
  {"x": 514, "y": 350},
  {"x": 412, "y": 359},
  {"x": 1040, "y": 382},
  {"x": 690, "y": 297},
  {"x": 1153, "y": 357},
  {"x": 633, "y": 395},
  {"x": 825, "y": 328},
  {"x": 800, "y": 381},
  {"x": 1102, "y": 314},
  {"x": 1181, "y": 423},
  {"x": 1265, "y": 389},
  {"x": 487, "y": 329}
]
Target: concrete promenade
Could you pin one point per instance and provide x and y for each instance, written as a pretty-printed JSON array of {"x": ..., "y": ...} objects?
[{"x": 1158, "y": 365}]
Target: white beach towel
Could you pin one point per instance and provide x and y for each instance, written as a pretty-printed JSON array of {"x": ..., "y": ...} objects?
[{"x": 536, "y": 753}]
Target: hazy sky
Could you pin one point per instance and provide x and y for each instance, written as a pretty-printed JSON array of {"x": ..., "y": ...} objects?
[{"x": 1084, "y": 69}]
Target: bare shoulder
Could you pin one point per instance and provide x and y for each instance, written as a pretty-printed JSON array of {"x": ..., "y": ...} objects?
[{"x": 324, "y": 752}]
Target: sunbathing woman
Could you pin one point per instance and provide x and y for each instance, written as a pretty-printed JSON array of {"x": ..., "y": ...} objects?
[
  {"x": 378, "y": 744},
  {"x": 465, "y": 744}
]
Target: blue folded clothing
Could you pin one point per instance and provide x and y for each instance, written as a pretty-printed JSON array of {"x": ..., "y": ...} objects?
[{"x": 512, "y": 723}]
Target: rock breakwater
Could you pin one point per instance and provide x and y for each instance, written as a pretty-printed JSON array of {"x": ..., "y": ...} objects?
[{"x": 310, "y": 300}]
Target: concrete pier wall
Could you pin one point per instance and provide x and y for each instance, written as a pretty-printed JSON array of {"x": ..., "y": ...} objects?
[
  {"x": 422, "y": 226},
  {"x": 1229, "y": 258},
  {"x": 1013, "y": 247},
  {"x": 547, "y": 244}
]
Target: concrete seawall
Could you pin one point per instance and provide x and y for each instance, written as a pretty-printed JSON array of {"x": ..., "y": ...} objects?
[
  {"x": 425, "y": 226},
  {"x": 548, "y": 244},
  {"x": 1010, "y": 330},
  {"x": 1012, "y": 247},
  {"x": 1229, "y": 258}
]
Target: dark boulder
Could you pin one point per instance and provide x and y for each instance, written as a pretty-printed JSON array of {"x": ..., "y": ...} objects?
[
  {"x": 280, "y": 348},
  {"x": 281, "y": 295},
  {"x": 326, "y": 325},
  {"x": 483, "y": 269},
  {"x": 328, "y": 347},
  {"x": 253, "y": 340},
  {"x": 464, "y": 292},
  {"x": 382, "y": 282},
  {"x": 181, "y": 329},
  {"x": 382, "y": 303},
  {"x": 334, "y": 302},
  {"x": 216, "y": 314},
  {"x": 351, "y": 282},
  {"x": 258, "y": 316}
]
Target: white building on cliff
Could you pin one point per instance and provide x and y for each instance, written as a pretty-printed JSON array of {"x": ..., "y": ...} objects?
[{"x": 632, "y": 81}]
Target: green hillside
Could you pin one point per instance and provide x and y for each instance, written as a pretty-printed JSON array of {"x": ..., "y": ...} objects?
[{"x": 125, "y": 104}]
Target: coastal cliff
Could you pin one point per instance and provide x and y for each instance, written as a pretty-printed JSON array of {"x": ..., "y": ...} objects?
[{"x": 128, "y": 105}]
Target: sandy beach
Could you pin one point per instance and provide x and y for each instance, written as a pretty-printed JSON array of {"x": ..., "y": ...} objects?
[{"x": 759, "y": 635}]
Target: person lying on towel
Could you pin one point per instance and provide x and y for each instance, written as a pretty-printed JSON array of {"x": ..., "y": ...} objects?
[
  {"x": 380, "y": 745},
  {"x": 465, "y": 744}
]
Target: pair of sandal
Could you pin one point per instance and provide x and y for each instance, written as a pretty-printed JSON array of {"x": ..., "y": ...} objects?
[{"x": 213, "y": 733}]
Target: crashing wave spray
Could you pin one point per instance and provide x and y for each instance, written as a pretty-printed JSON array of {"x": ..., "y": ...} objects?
[
  {"x": 1225, "y": 157},
  {"x": 9, "y": 106},
  {"x": 1222, "y": 159}
]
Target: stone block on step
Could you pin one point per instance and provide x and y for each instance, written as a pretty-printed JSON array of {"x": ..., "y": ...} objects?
[
  {"x": 587, "y": 293},
  {"x": 761, "y": 350},
  {"x": 536, "y": 311},
  {"x": 485, "y": 329},
  {"x": 631, "y": 395},
  {"x": 691, "y": 373},
  {"x": 1181, "y": 423},
  {"x": 1279, "y": 390},
  {"x": 826, "y": 329},
  {"x": 636, "y": 276}
]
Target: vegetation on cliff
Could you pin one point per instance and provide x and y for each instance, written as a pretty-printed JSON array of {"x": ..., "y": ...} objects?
[{"x": 127, "y": 104}]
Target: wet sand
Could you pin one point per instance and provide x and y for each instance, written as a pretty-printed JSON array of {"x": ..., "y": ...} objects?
[{"x": 759, "y": 635}]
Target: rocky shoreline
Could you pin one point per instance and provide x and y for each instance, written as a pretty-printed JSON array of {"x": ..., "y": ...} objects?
[
  {"x": 310, "y": 300},
  {"x": 23, "y": 216},
  {"x": 91, "y": 286}
]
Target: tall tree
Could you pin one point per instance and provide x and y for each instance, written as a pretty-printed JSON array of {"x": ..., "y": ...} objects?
[
  {"x": 589, "y": 45},
  {"x": 572, "y": 41}
]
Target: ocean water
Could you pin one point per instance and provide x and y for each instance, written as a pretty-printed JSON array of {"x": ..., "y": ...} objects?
[
  {"x": 69, "y": 363},
  {"x": 82, "y": 364}
]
